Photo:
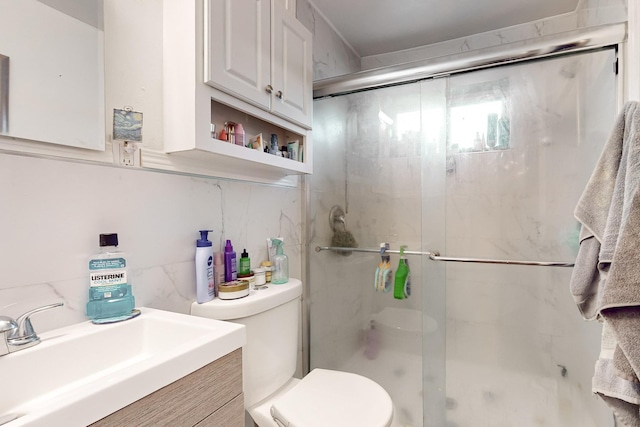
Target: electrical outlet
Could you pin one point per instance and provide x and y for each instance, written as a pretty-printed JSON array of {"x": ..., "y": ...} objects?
[{"x": 126, "y": 153}]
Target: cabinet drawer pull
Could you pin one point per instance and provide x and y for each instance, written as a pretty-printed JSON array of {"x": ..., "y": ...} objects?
[
  {"x": 269, "y": 89},
  {"x": 279, "y": 94}
]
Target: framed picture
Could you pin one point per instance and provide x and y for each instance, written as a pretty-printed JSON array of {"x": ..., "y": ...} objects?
[{"x": 127, "y": 125}]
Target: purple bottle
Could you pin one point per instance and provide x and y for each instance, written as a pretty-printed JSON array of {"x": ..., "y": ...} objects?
[{"x": 230, "y": 270}]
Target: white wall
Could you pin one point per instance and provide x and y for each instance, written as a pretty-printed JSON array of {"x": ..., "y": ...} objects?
[
  {"x": 332, "y": 55},
  {"x": 632, "y": 91}
]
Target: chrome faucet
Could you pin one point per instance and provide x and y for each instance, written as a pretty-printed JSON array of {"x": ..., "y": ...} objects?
[{"x": 19, "y": 334}]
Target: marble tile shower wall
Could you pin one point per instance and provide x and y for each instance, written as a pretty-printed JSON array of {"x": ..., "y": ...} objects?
[{"x": 52, "y": 212}]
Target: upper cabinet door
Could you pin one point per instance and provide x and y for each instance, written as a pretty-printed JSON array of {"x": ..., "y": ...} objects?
[
  {"x": 238, "y": 52},
  {"x": 291, "y": 72}
]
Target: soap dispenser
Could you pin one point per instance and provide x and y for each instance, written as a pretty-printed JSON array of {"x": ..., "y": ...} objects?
[{"x": 280, "y": 273}]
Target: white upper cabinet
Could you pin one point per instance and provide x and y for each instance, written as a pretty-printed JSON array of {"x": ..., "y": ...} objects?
[
  {"x": 239, "y": 48},
  {"x": 291, "y": 65},
  {"x": 258, "y": 51}
]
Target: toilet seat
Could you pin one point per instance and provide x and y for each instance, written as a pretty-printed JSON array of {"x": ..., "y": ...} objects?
[{"x": 332, "y": 398}]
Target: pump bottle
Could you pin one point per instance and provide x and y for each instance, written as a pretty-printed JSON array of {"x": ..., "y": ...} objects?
[{"x": 205, "y": 286}]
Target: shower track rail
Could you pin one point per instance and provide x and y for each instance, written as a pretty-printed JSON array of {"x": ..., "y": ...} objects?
[{"x": 435, "y": 256}]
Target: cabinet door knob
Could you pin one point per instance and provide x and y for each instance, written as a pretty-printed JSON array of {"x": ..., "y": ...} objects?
[
  {"x": 279, "y": 94},
  {"x": 269, "y": 89}
]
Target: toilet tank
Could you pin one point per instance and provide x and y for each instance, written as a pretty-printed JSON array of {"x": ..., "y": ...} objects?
[{"x": 272, "y": 320}]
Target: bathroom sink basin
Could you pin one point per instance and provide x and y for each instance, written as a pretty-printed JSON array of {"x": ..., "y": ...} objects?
[{"x": 81, "y": 373}]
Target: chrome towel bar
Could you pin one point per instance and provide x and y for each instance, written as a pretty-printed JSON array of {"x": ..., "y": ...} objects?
[{"x": 435, "y": 256}]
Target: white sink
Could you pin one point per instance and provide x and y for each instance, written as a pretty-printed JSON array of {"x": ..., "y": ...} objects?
[{"x": 81, "y": 373}]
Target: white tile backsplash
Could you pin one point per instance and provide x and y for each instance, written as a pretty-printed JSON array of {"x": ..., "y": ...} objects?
[{"x": 52, "y": 212}]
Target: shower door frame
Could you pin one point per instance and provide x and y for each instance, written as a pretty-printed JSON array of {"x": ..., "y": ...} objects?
[{"x": 578, "y": 41}]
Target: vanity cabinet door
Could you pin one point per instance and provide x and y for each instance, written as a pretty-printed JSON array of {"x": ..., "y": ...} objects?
[
  {"x": 291, "y": 56},
  {"x": 205, "y": 394},
  {"x": 230, "y": 415},
  {"x": 238, "y": 48}
]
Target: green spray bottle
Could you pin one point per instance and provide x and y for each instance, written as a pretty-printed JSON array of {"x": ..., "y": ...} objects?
[
  {"x": 402, "y": 285},
  {"x": 280, "y": 272}
]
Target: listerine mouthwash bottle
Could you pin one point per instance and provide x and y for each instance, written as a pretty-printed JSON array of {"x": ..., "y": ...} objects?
[{"x": 110, "y": 296}]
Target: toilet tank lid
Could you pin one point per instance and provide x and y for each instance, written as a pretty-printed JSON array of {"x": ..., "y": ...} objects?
[{"x": 257, "y": 302}]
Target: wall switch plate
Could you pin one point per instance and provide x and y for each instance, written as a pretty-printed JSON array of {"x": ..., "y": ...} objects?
[{"x": 126, "y": 153}]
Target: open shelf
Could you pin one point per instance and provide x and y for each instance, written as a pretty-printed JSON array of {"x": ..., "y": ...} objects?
[{"x": 246, "y": 157}]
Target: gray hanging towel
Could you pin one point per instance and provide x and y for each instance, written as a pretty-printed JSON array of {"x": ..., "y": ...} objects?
[{"x": 606, "y": 279}]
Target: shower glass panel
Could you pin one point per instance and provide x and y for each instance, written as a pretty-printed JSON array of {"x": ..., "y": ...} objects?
[
  {"x": 486, "y": 164},
  {"x": 518, "y": 352},
  {"x": 370, "y": 161}
]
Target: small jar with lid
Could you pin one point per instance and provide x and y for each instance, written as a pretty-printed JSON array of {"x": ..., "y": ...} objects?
[
  {"x": 267, "y": 265},
  {"x": 233, "y": 290},
  {"x": 260, "y": 274},
  {"x": 250, "y": 279}
]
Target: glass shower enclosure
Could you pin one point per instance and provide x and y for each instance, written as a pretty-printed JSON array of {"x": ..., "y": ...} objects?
[{"x": 485, "y": 164}]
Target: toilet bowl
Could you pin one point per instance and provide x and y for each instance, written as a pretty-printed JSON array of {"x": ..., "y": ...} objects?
[
  {"x": 326, "y": 398},
  {"x": 273, "y": 398},
  {"x": 402, "y": 329}
]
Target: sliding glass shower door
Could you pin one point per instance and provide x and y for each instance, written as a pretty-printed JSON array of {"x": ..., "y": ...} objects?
[
  {"x": 486, "y": 164},
  {"x": 518, "y": 352},
  {"x": 371, "y": 164}
]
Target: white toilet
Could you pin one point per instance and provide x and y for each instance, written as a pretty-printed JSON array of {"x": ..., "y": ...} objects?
[{"x": 272, "y": 396}]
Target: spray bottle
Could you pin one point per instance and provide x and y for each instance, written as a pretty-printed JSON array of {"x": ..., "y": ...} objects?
[
  {"x": 402, "y": 285},
  {"x": 280, "y": 273}
]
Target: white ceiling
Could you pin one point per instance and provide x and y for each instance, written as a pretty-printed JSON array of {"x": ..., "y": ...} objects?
[{"x": 380, "y": 26}]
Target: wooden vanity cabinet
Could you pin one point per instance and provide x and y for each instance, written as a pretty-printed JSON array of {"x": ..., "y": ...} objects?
[{"x": 209, "y": 397}]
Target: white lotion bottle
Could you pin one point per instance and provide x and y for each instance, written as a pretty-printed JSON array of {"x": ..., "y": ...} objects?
[{"x": 205, "y": 286}]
